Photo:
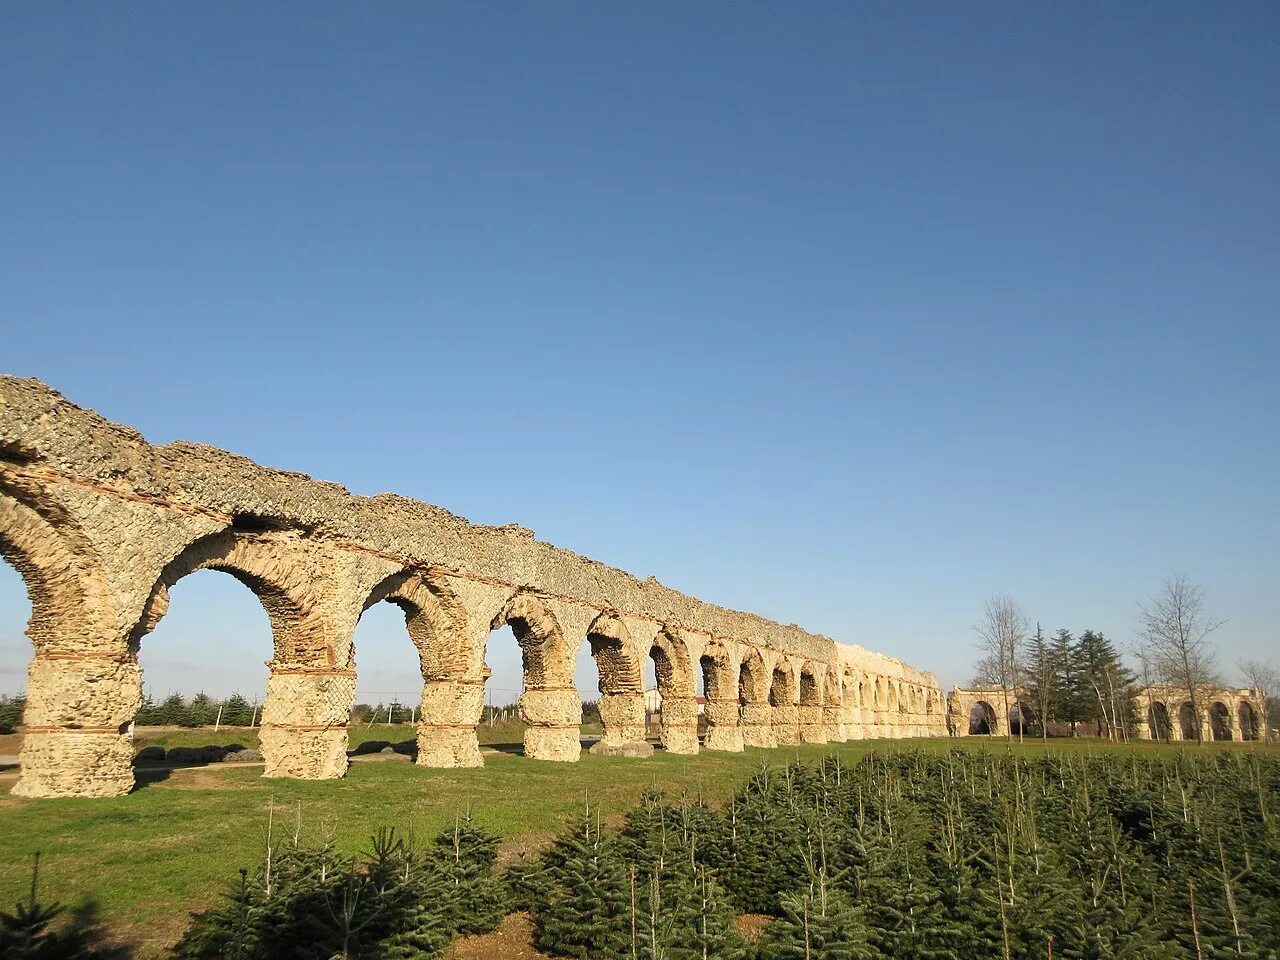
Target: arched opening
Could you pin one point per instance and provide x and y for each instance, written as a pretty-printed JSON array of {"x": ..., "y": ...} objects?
[
  {"x": 809, "y": 715},
  {"x": 1250, "y": 729},
  {"x": 433, "y": 707},
  {"x": 1188, "y": 725},
  {"x": 721, "y": 681},
  {"x": 1220, "y": 720},
  {"x": 784, "y": 696},
  {"x": 1022, "y": 720},
  {"x": 501, "y": 726},
  {"x": 309, "y": 693},
  {"x": 203, "y": 663},
  {"x": 15, "y": 654},
  {"x": 674, "y": 683},
  {"x": 621, "y": 685},
  {"x": 755, "y": 710},
  {"x": 389, "y": 676},
  {"x": 653, "y": 697},
  {"x": 982, "y": 719},
  {"x": 550, "y": 706},
  {"x": 833, "y": 707},
  {"x": 1159, "y": 722}
]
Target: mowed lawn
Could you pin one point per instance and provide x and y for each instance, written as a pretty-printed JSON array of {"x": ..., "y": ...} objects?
[{"x": 147, "y": 860}]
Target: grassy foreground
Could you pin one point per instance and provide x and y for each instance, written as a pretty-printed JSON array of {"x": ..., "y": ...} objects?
[{"x": 150, "y": 858}]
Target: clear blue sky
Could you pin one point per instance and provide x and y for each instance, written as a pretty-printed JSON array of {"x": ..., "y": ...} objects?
[{"x": 847, "y": 314}]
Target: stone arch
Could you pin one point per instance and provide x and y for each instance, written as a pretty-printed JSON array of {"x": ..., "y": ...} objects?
[
  {"x": 1249, "y": 726},
  {"x": 452, "y": 685},
  {"x": 851, "y": 705},
  {"x": 833, "y": 705},
  {"x": 677, "y": 688},
  {"x": 808, "y": 693},
  {"x": 809, "y": 702},
  {"x": 720, "y": 683},
  {"x": 435, "y": 620},
  {"x": 70, "y": 600},
  {"x": 1219, "y": 720},
  {"x": 83, "y": 684},
  {"x": 755, "y": 712},
  {"x": 310, "y": 685},
  {"x": 784, "y": 698},
  {"x": 753, "y": 679},
  {"x": 543, "y": 650},
  {"x": 1188, "y": 722},
  {"x": 267, "y": 567},
  {"x": 550, "y": 704},
  {"x": 621, "y": 683},
  {"x": 1159, "y": 722},
  {"x": 672, "y": 665},
  {"x": 783, "y": 687},
  {"x": 982, "y": 719}
]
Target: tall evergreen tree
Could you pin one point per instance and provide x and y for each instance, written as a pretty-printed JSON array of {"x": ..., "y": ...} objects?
[
  {"x": 1069, "y": 703},
  {"x": 1042, "y": 674},
  {"x": 1105, "y": 685}
]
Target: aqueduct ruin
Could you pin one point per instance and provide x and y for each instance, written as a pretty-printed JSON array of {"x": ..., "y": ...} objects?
[
  {"x": 101, "y": 524},
  {"x": 1161, "y": 712}
]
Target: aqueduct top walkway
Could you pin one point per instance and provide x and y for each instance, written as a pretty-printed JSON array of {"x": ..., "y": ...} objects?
[{"x": 100, "y": 524}]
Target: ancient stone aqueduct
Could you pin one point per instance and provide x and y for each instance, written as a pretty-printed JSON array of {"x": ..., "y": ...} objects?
[{"x": 100, "y": 524}]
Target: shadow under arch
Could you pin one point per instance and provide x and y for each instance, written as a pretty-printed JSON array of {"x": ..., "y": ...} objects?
[
  {"x": 1188, "y": 722},
  {"x": 1219, "y": 720},
  {"x": 1249, "y": 726}
]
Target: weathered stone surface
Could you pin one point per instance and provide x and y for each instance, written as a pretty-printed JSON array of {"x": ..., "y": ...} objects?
[
  {"x": 634, "y": 748},
  {"x": 102, "y": 524}
]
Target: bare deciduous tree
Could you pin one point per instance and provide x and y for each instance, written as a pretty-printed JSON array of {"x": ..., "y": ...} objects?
[
  {"x": 1001, "y": 636},
  {"x": 1264, "y": 678},
  {"x": 985, "y": 672},
  {"x": 1174, "y": 629}
]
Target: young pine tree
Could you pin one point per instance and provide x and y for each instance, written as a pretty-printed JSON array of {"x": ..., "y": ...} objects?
[
  {"x": 585, "y": 895},
  {"x": 818, "y": 922}
]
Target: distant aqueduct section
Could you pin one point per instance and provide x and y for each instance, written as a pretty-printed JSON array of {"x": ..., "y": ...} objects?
[{"x": 101, "y": 524}]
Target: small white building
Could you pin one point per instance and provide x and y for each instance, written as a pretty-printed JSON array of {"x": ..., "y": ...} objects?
[{"x": 653, "y": 702}]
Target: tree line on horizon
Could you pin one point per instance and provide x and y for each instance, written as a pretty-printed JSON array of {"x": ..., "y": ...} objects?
[{"x": 1085, "y": 681}]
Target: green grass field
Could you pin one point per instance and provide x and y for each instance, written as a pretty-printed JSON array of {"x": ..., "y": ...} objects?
[{"x": 150, "y": 858}]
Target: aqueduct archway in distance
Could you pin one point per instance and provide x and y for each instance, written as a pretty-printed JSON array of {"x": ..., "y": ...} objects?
[{"x": 101, "y": 524}]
